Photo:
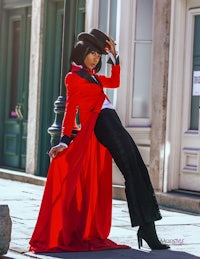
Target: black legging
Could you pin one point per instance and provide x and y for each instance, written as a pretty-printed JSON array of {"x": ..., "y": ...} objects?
[{"x": 142, "y": 204}]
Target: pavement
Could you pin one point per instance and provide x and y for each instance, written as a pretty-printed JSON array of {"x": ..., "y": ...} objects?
[{"x": 179, "y": 229}]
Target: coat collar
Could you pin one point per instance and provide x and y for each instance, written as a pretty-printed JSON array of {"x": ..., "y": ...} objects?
[
  {"x": 85, "y": 73},
  {"x": 76, "y": 67}
]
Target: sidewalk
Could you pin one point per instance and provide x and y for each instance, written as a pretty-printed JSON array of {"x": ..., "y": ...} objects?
[{"x": 181, "y": 231}]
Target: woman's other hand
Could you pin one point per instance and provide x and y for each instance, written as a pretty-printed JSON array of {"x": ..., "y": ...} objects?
[{"x": 57, "y": 149}]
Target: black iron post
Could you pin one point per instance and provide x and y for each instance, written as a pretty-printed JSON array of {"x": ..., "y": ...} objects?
[
  {"x": 69, "y": 22},
  {"x": 55, "y": 129}
]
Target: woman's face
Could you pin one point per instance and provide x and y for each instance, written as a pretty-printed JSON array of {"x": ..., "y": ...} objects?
[{"x": 92, "y": 59}]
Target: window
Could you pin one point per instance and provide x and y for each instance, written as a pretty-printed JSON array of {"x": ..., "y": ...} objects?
[
  {"x": 107, "y": 24},
  {"x": 140, "y": 97},
  {"x": 141, "y": 92}
]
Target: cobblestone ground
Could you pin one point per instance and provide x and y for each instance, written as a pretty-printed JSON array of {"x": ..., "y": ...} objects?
[{"x": 181, "y": 231}]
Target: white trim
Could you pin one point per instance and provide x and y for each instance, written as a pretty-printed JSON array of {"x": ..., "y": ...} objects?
[
  {"x": 188, "y": 67},
  {"x": 131, "y": 57},
  {"x": 174, "y": 97},
  {"x": 190, "y": 154},
  {"x": 125, "y": 51},
  {"x": 132, "y": 121},
  {"x": 117, "y": 45},
  {"x": 108, "y": 17},
  {"x": 179, "y": 63},
  {"x": 92, "y": 14},
  {"x": 34, "y": 85}
]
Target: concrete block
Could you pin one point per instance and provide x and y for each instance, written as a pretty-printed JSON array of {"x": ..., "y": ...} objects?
[{"x": 5, "y": 229}]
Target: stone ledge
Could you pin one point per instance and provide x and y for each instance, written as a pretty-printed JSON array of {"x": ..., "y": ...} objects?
[
  {"x": 178, "y": 201},
  {"x": 21, "y": 177}
]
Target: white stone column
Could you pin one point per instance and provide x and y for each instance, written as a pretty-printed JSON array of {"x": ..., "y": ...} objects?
[
  {"x": 34, "y": 85},
  {"x": 160, "y": 66}
]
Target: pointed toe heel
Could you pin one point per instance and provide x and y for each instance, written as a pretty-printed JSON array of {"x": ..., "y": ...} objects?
[{"x": 150, "y": 237}]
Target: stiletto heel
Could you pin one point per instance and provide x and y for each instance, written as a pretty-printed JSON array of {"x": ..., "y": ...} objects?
[
  {"x": 148, "y": 233},
  {"x": 139, "y": 241}
]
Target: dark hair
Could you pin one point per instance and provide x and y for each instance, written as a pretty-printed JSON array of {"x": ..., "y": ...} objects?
[{"x": 81, "y": 50}]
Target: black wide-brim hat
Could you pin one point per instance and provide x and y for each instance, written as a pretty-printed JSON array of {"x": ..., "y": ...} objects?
[{"x": 96, "y": 38}]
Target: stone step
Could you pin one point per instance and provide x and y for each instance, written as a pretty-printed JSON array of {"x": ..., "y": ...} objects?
[{"x": 182, "y": 201}]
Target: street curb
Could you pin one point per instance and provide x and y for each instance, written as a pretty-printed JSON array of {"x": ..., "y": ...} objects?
[
  {"x": 182, "y": 202},
  {"x": 178, "y": 201},
  {"x": 22, "y": 177}
]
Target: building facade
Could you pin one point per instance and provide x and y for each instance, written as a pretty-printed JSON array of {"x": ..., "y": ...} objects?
[{"x": 159, "y": 96}]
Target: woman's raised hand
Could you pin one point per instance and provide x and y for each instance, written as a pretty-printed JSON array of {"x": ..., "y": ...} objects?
[{"x": 111, "y": 47}]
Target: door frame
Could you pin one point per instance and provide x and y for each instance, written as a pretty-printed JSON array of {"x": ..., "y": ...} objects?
[
  {"x": 175, "y": 102},
  {"x": 190, "y": 158}
]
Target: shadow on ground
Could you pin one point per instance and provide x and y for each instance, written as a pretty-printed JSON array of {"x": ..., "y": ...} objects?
[{"x": 120, "y": 253}]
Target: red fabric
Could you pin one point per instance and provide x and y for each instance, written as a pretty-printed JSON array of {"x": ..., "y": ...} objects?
[
  {"x": 85, "y": 95},
  {"x": 75, "y": 213}
]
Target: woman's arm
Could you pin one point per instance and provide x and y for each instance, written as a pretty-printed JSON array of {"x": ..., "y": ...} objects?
[
  {"x": 73, "y": 95},
  {"x": 114, "y": 80},
  {"x": 69, "y": 115}
]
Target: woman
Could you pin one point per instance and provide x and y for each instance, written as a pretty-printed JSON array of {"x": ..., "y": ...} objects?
[{"x": 78, "y": 192}]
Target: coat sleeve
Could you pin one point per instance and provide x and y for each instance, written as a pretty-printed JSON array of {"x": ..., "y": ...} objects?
[
  {"x": 72, "y": 91},
  {"x": 113, "y": 81}
]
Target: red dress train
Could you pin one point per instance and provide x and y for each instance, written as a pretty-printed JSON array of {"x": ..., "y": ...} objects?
[{"x": 76, "y": 208}]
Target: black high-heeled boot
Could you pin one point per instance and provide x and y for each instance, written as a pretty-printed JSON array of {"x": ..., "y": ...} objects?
[{"x": 148, "y": 233}]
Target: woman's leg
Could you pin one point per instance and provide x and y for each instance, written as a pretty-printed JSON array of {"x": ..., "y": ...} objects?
[
  {"x": 143, "y": 207},
  {"x": 142, "y": 204}
]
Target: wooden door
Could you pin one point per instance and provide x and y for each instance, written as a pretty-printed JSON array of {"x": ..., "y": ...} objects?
[
  {"x": 16, "y": 46},
  {"x": 190, "y": 146}
]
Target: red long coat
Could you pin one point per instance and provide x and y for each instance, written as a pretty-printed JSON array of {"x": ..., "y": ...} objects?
[{"x": 75, "y": 213}]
